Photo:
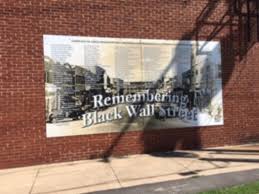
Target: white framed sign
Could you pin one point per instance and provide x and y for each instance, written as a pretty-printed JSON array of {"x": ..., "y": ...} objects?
[{"x": 102, "y": 85}]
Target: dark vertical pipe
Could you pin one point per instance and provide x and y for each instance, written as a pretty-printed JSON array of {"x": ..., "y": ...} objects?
[
  {"x": 248, "y": 20},
  {"x": 237, "y": 7},
  {"x": 257, "y": 18}
]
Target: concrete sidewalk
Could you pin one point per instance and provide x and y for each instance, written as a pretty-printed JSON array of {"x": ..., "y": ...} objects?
[
  {"x": 191, "y": 185},
  {"x": 96, "y": 175}
]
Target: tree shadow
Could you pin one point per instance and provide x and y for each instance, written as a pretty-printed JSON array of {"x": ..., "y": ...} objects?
[
  {"x": 233, "y": 151},
  {"x": 245, "y": 160},
  {"x": 229, "y": 30}
]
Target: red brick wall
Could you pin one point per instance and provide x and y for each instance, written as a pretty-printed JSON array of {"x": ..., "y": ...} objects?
[{"x": 22, "y": 25}]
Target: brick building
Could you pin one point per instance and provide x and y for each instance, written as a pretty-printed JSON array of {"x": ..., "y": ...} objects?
[{"x": 23, "y": 23}]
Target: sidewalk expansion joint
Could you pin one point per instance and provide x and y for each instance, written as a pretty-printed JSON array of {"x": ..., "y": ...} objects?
[
  {"x": 34, "y": 181},
  {"x": 114, "y": 173}
]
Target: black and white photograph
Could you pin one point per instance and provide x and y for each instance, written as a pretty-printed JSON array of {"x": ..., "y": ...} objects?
[{"x": 101, "y": 85}]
